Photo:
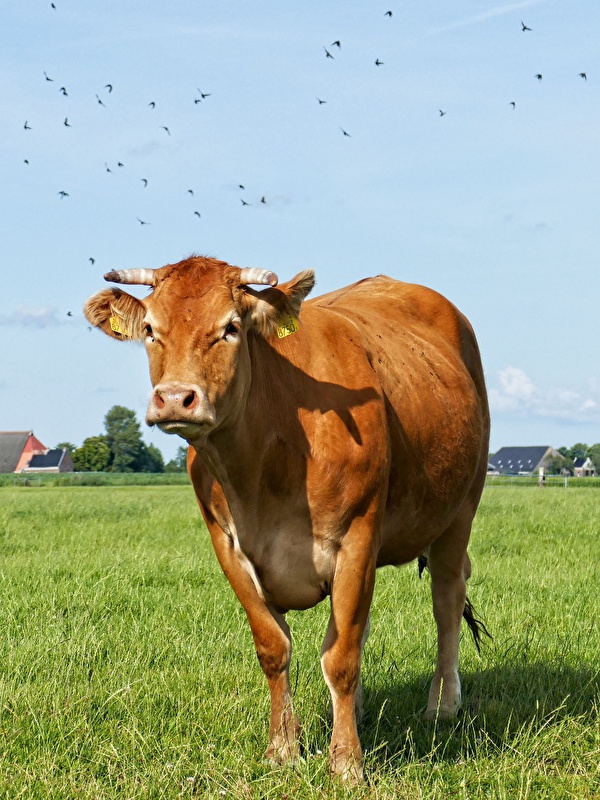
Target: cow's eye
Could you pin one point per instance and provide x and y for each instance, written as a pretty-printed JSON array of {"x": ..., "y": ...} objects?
[
  {"x": 148, "y": 331},
  {"x": 231, "y": 330}
]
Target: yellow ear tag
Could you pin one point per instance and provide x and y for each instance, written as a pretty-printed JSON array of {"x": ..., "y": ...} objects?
[
  {"x": 287, "y": 326},
  {"x": 115, "y": 325}
]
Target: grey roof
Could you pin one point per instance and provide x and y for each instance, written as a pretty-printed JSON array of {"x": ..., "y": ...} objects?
[
  {"x": 11, "y": 447},
  {"x": 44, "y": 461},
  {"x": 512, "y": 460}
]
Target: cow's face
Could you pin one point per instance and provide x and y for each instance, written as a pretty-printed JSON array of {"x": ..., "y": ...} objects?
[{"x": 195, "y": 326}]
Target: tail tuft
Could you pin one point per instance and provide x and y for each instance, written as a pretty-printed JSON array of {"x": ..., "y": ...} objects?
[{"x": 476, "y": 625}]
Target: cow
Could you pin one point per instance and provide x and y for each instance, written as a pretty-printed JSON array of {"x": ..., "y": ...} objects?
[{"x": 327, "y": 438}]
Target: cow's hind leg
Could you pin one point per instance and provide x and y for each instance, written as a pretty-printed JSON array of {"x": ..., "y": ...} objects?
[{"x": 450, "y": 569}]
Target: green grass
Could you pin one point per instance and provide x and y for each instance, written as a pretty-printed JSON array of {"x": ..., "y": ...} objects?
[{"x": 127, "y": 668}]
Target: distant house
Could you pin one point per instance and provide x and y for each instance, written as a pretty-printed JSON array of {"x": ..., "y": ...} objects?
[
  {"x": 21, "y": 451},
  {"x": 521, "y": 460},
  {"x": 57, "y": 460},
  {"x": 584, "y": 468}
]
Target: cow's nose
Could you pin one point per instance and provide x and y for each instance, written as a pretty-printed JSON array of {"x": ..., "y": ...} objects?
[{"x": 169, "y": 400}]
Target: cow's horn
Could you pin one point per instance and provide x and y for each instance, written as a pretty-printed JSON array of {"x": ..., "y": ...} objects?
[
  {"x": 258, "y": 276},
  {"x": 144, "y": 277}
]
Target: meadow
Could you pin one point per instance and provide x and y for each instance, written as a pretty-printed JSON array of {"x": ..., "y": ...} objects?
[{"x": 127, "y": 668}]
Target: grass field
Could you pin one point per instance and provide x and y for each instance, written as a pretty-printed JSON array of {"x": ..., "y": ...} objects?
[{"x": 127, "y": 668}]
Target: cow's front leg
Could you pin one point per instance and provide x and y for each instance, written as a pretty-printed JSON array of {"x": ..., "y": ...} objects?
[
  {"x": 272, "y": 641},
  {"x": 351, "y": 595}
]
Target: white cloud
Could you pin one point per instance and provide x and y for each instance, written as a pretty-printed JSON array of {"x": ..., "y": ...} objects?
[
  {"x": 516, "y": 393},
  {"x": 40, "y": 317}
]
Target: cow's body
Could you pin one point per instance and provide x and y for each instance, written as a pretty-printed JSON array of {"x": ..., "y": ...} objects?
[{"x": 358, "y": 441}]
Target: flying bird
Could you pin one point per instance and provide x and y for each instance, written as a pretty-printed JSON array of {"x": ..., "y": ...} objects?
[
  {"x": 524, "y": 27},
  {"x": 109, "y": 87},
  {"x": 344, "y": 132},
  {"x": 120, "y": 164},
  {"x": 244, "y": 203},
  {"x": 204, "y": 95},
  {"x": 152, "y": 104},
  {"x": 26, "y": 161},
  {"x": 378, "y": 63},
  {"x": 164, "y": 127},
  {"x": 108, "y": 169},
  {"x": 337, "y": 44},
  {"x": 513, "y": 104},
  {"x": 263, "y": 199},
  {"x": 388, "y": 14},
  {"x": 141, "y": 221},
  {"x": 27, "y": 126},
  {"x": 66, "y": 123},
  {"x": 191, "y": 191},
  {"x": 241, "y": 186},
  {"x": 327, "y": 53},
  {"x": 321, "y": 102},
  {"x": 62, "y": 194},
  {"x": 69, "y": 313},
  {"x": 442, "y": 113},
  {"x": 539, "y": 76},
  {"x": 48, "y": 78},
  {"x": 144, "y": 181},
  {"x": 63, "y": 91},
  {"x": 100, "y": 101},
  {"x": 583, "y": 75},
  {"x": 92, "y": 261},
  {"x": 197, "y": 213}
]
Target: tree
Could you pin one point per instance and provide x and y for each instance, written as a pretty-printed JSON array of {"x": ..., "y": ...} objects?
[
  {"x": 124, "y": 438},
  {"x": 149, "y": 459},
  {"x": 178, "y": 464},
  {"x": 593, "y": 453},
  {"x": 68, "y": 446},
  {"x": 93, "y": 455},
  {"x": 578, "y": 450}
]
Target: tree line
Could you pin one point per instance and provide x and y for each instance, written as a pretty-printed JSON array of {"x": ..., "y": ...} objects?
[
  {"x": 121, "y": 448},
  {"x": 556, "y": 466}
]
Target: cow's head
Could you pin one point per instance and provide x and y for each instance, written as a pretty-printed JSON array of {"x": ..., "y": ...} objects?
[{"x": 195, "y": 325}]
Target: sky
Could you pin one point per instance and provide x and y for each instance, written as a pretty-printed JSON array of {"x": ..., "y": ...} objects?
[{"x": 462, "y": 170}]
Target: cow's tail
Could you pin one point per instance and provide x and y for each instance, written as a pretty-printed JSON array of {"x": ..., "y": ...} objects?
[{"x": 476, "y": 626}]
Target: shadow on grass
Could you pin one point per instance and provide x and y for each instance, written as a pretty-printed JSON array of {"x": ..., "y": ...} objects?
[{"x": 499, "y": 704}]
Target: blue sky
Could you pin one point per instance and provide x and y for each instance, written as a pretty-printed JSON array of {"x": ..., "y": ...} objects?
[{"x": 495, "y": 206}]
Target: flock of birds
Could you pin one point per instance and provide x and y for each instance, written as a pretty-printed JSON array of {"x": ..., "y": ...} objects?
[{"x": 103, "y": 97}]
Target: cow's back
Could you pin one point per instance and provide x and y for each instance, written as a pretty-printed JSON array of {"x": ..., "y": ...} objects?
[{"x": 426, "y": 360}]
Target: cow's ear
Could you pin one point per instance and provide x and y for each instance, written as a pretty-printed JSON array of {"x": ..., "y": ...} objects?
[
  {"x": 117, "y": 314},
  {"x": 269, "y": 309}
]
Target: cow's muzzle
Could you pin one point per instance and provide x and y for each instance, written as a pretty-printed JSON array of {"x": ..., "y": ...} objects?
[{"x": 180, "y": 408}]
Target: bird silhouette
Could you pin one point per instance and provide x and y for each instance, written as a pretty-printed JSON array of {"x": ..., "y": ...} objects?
[
  {"x": 62, "y": 194},
  {"x": 107, "y": 168},
  {"x": 327, "y": 53},
  {"x": 120, "y": 164},
  {"x": 109, "y": 87},
  {"x": 241, "y": 186},
  {"x": 321, "y": 102},
  {"x": 204, "y": 95},
  {"x": 27, "y": 126},
  {"x": 197, "y": 100},
  {"x": 539, "y": 76},
  {"x": 92, "y": 261},
  {"x": 48, "y": 78},
  {"x": 26, "y": 161},
  {"x": 583, "y": 75},
  {"x": 337, "y": 44},
  {"x": 66, "y": 123},
  {"x": 141, "y": 221},
  {"x": 344, "y": 132},
  {"x": 378, "y": 63},
  {"x": 388, "y": 14},
  {"x": 100, "y": 101},
  {"x": 144, "y": 181},
  {"x": 524, "y": 27},
  {"x": 442, "y": 113},
  {"x": 164, "y": 127},
  {"x": 263, "y": 199},
  {"x": 513, "y": 104},
  {"x": 152, "y": 104},
  {"x": 244, "y": 203},
  {"x": 197, "y": 213},
  {"x": 191, "y": 192},
  {"x": 69, "y": 313},
  {"x": 63, "y": 91}
]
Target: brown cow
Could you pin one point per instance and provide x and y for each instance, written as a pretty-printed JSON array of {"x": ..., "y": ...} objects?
[{"x": 319, "y": 452}]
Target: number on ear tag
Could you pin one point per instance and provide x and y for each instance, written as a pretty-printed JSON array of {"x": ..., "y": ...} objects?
[
  {"x": 117, "y": 326},
  {"x": 287, "y": 326}
]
